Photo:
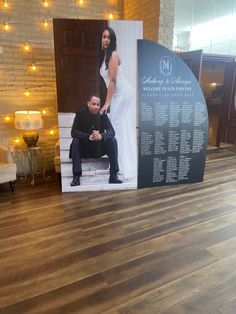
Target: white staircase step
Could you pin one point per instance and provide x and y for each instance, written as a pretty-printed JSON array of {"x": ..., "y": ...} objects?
[
  {"x": 88, "y": 173},
  {"x": 93, "y": 179},
  {"x": 98, "y": 184},
  {"x": 64, "y": 156},
  {"x": 65, "y": 119},
  {"x": 65, "y": 143},
  {"x": 65, "y": 132},
  {"x": 87, "y": 165}
]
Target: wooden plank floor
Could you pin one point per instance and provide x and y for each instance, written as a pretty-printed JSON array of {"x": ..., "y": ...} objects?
[{"x": 160, "y": 250}]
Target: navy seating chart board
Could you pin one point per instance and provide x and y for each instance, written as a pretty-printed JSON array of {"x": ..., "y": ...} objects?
[{"x": 173, "y": 120}]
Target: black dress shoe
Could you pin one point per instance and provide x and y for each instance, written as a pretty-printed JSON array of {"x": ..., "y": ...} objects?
[
  {"x": 114, "y": 179},
  {"x": 75, "y": 181}
]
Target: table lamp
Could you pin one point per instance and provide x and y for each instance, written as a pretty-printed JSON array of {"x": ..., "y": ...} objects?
[{"x": 29, "y": 121}]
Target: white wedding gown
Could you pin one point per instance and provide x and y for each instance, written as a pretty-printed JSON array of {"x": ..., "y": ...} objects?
[{"x": 123, "y": 118}]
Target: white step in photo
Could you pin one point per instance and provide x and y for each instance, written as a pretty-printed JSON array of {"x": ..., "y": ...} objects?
[
  {"x": 87, "y": 165},
  {"x": 97, "y": 184}
]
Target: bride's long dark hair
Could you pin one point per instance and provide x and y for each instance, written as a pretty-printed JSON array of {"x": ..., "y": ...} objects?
[{"x": 112, "y": 47}]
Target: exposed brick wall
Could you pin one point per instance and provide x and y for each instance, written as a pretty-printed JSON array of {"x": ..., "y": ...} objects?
[
  {"x": 25, "y": 17},
  {"x": 158, "y": 18},
  {"x": 147, "y": 11},
  {"x": 166, "y": 23}
]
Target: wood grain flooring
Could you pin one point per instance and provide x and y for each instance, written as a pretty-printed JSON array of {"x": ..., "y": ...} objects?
[{"x": 161, "y": 250}]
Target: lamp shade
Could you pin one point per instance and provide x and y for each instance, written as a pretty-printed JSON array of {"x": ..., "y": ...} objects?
[{"x": 28, "y": 120}]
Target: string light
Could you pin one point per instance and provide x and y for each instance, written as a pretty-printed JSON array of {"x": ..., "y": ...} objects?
[
  {"x": 111, "y": 16},
  {"x": 5, "y": 3},
  {"x": 26, "y": 47},
  {"x": 44, "y": 112},
  {"x": 45, "y": 24},
  {"x": 45, "y": 3},
  {"x": 6, "y": 26},
  {"x": 26, "y": 92},
  {"x": 81, "y": 2},
  {"x": 51, "y": 132},
  {"x": 33, "y": 67},
  {"x": 7, "y": 118},
  {"x": 17, "y": 140}
]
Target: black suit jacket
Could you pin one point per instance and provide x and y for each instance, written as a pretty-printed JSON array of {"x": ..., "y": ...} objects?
[{"x": 85, "y": 122}]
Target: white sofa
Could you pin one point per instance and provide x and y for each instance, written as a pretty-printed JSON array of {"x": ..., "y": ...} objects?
[{"x": 7, "y": 167}]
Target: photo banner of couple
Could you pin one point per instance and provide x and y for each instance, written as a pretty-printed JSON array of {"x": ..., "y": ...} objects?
[
  {"x": 96, "y": 71},
  {"x": 107, "y": 77}
]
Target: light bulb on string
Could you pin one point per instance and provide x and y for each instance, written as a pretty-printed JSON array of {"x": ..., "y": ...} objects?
[
  {"x": 45, "y": 3},
  {"x": 6, "y": 26},
  {"x": 81, "y": 2},
  {"x": 111, "y": 16},
  {"x": 17, "y": 141},
  {"x": 26, "y": 92},
  {"x": 7, "y": 118},
  {"x": 45, "y": 24},
  {"x": 26, "y": 47},
  {"x": 5, "y": 3},
  {"x": 33, "y": 67}
]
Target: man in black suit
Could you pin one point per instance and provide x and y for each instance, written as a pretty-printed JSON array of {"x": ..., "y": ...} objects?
[{"x": 93, "y": 137}]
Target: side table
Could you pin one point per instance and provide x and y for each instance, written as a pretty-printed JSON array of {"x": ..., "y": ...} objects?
[{"x": 31, "y": 160}]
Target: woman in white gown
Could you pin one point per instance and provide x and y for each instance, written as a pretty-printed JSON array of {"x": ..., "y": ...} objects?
[{"x": 121, "y": 100}]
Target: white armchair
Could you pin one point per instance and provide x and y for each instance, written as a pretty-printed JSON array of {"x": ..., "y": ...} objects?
[
  {"x": 7, "y": 167},
  {"x": 57, "y": 159}
]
